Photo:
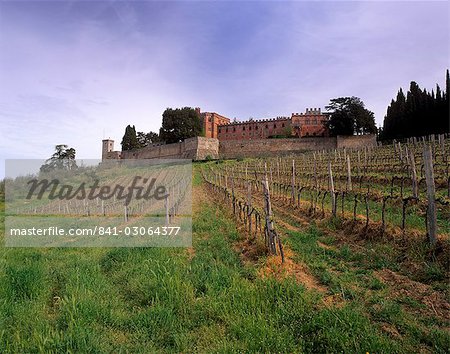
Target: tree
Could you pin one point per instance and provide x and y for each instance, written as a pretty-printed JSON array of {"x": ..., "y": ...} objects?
[
  {"x": 364, "y": 121},
  {"x": 129, "y": 140},
  {"x": 179, "y": 124},
  {"x": 349, "y": 116},
  {"x": 444, "y": 109},
  {"x": 419, "y": 113},
  {"x": 62, "y": 158},
  {"x": 146, "y": 139}
]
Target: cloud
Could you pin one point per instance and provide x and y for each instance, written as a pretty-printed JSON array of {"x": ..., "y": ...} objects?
[{"x": 76, "y": 72}]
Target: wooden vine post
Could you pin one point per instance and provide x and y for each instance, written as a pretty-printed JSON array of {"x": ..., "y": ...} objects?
[
  {"x": 316, "y": 184},
  {"x": 166, "y": 206},
  {"x": 442, "y": 144},
  {"x": 431, "y": 209},
  {"x": 408, "y": 164},
  {"x": 359, "y": 165},
  {"x": 333, "y": 196},
  {"x": 271, "y": 236},
  {"x": 249, "y": 206},
  {"x": 293, "y": 183},
  {"x": 349, "y": 174},
  {"x": 233, "y": 199},
  {"x": 278, "y": 169},
  {"x": 415, "y": 186}
]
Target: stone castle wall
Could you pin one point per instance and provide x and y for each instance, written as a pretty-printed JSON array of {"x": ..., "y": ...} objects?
[
  {"x": 198, "y": 148},
  {"x": 273, "y": 147},
  {"x": 355, "y": 141},
  {"x": 276, "y": 147},
  {"x": 201, "y": 148}
]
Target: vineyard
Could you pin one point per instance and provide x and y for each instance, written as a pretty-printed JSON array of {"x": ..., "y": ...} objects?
[
  {"x": 74, "y": 199},
  {"x": 342, "y": 251},
  {"x": 400, "y": 188},
  {"x": 369, "y": 226},
  {"x": 174, "y": 178}
]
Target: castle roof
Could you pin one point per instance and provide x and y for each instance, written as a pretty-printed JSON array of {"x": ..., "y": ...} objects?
[{"x": 253, "y": 121}]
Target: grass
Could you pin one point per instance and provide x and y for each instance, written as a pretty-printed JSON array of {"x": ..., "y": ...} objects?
[
  {"x": 209, "y": 300},
  {"x": 350, "y": 274}
]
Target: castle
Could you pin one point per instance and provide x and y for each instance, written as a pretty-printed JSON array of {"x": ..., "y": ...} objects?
[
  {"x": 253, "y": 138},
  {"x": 311, "y": 123}
]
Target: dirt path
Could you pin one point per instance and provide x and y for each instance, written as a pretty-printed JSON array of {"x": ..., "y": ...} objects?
[
  {"x": 290, "y": 268},
  {"x": 272, "y": 265}
]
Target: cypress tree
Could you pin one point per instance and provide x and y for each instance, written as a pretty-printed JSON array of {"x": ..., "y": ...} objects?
[
  {"x": 447, "y": 86},
  {"x": 129, "y": 140},
  {"x": 419, "y": 113}
]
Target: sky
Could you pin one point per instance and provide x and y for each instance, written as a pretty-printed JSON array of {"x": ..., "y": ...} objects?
[{"x": 76, "y": 72}]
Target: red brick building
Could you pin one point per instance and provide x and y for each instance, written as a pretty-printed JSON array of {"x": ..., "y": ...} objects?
[
  {"x": 311, "y": 123},
  {"x": 211, "y": 121},
  {"x": 255, "y": 129}
]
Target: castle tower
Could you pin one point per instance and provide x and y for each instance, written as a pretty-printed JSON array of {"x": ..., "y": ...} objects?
[{"x": 108, "y": 146}]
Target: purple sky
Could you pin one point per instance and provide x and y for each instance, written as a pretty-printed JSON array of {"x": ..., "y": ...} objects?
[{"x": 75, "y": 72}]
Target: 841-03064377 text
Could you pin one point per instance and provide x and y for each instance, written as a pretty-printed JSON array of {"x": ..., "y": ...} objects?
[{"x": 98, "y": 231}]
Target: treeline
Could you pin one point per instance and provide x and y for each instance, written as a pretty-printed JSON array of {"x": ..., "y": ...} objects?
[
  {"x": 418, "y": 113},
  {"x": 135, "y": 140},
  {"x": 177, "y": 124}
]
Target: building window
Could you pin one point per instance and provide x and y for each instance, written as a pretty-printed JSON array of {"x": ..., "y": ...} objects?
[
  {"x": 220, "y": 130},
  {"x": 249, "y": 128},
  {"x": 307, "y": 122},
  {"x": 234, "y": 129},
  {"x": 282, "y": 125},
  {"x": 243, "y": 128},
  {"x": 226, "y": 130},
  {"x": 256, "y": 128},
  {"x": 267, "y": 126}
]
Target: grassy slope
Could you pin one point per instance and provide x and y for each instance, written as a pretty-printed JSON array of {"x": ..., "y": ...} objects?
[
  {"x": 355, "y": 277},
  {"x": 171, "y": 300}
]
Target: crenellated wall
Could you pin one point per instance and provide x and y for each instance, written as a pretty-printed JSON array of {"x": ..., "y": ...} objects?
[{"x": 255, "y": 129}]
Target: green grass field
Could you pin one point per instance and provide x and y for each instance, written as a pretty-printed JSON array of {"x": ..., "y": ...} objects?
[{"x": 211, "y": 299}]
